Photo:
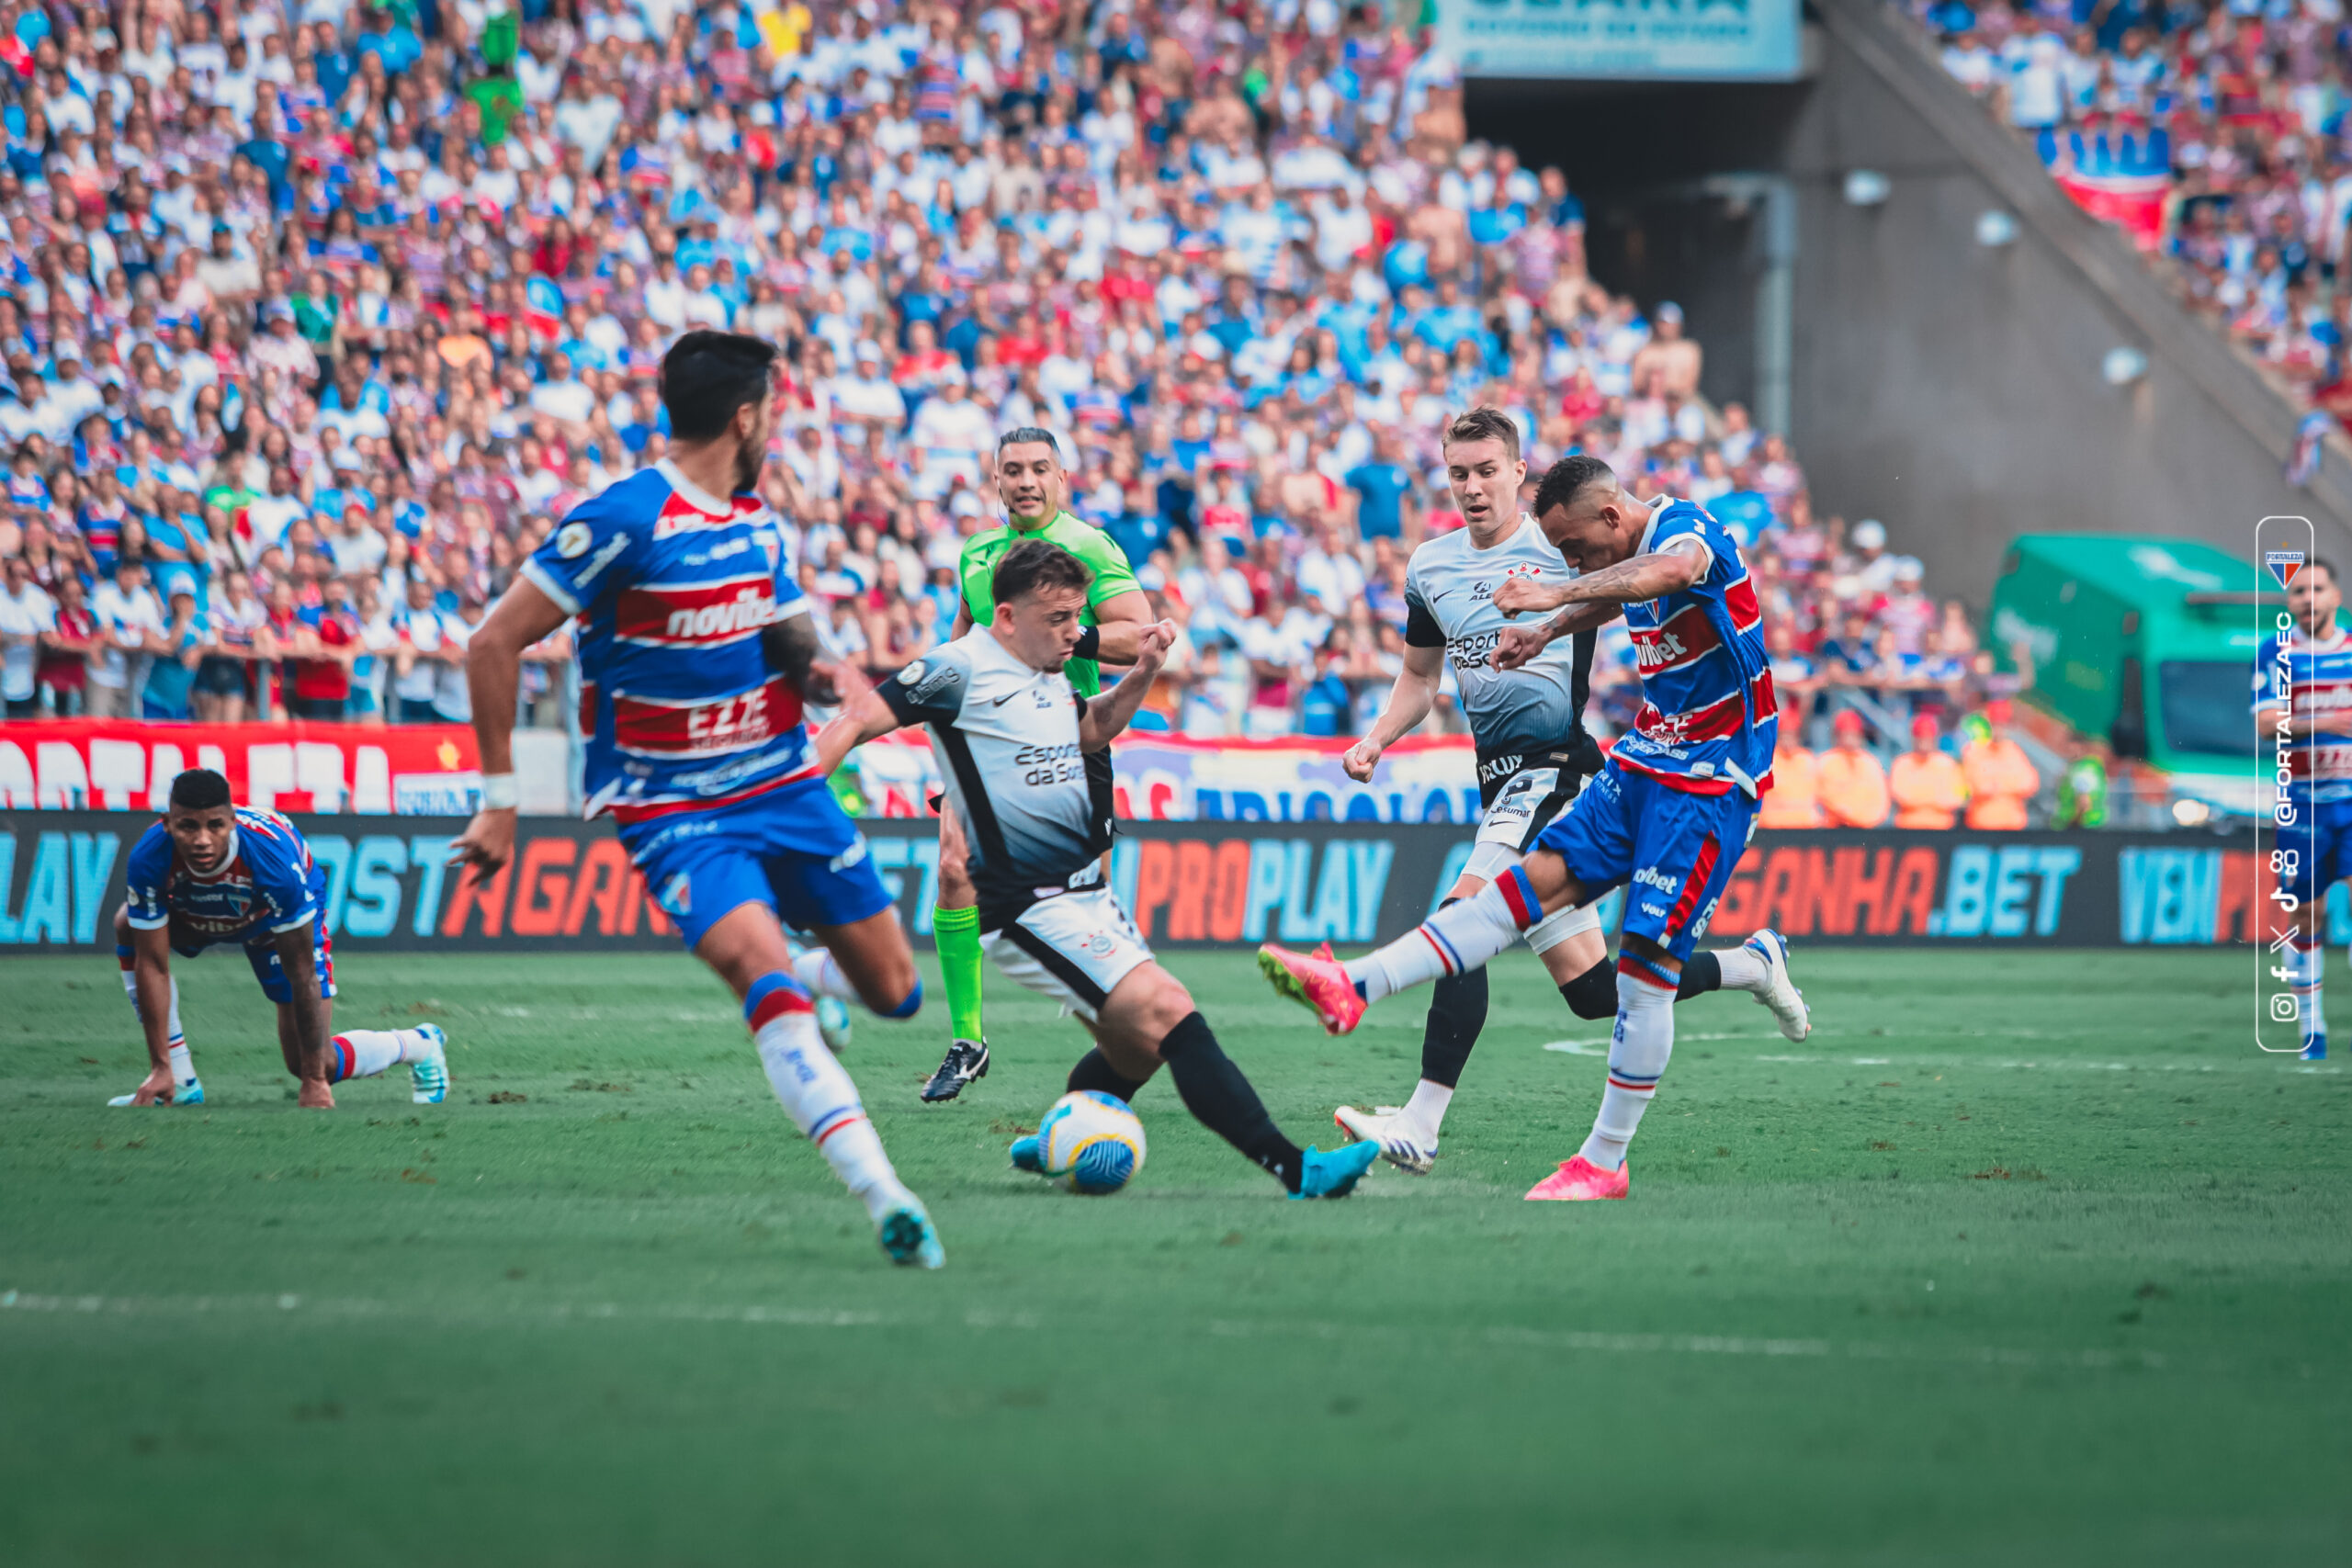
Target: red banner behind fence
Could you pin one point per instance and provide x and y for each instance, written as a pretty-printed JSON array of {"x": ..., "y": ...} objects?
[{"x": 122, "y": 764}]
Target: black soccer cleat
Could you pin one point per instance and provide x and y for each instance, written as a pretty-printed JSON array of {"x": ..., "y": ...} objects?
[{"x": 966, "y": 1060}]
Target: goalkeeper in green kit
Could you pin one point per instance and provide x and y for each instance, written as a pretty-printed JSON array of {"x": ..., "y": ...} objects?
[{"x": 1030, "y": 483}]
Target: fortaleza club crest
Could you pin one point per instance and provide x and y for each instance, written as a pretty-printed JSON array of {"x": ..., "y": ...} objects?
[{"x": 2283, "y": 564}]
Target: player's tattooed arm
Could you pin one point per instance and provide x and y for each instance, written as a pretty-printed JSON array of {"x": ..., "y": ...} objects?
[
  {"x": 1514, "y": 645},
  {"x": 794, "y": 652},
  {"x": 1109, "y": 714}
]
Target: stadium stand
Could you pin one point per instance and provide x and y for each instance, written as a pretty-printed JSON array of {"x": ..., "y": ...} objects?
[
  {"x": 315, "y": 324},
  {"x": 2213, "y": 135}
]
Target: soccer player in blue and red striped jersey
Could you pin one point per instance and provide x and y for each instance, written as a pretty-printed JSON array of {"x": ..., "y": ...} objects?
[
  {"x": 2302, "y": 678},
  {"x": 697, "y": 651},
  {"x": 212, "y": 875},
  {"x": 1669, "y": 816}
]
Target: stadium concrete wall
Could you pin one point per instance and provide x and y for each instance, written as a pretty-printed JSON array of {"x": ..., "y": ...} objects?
[
  {"x": 1953, "y": 389},
  {"x": 1956, "y": 389},
  {"x": 1203, "y": 886}
]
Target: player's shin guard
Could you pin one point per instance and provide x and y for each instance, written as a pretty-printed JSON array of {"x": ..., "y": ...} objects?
[
  {"x": 814, "y": 1090},
  {"x": 363, "y": 1053},
  {"x": 2306, "y": 960},
  {"x": 1637, "y": 1057},
  {"x": 175, "y": 1042},
  {"x": 957, "y": 934},
  {"x": 1095, "y": 1072},
  {"x": 1457, "y": 939},
  {"x": 1222, "y": 1100}
]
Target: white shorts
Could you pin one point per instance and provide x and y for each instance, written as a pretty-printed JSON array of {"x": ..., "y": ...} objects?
[
  {"x": 1523, "y": 808},
  {"x": 1074, "y": 947}
]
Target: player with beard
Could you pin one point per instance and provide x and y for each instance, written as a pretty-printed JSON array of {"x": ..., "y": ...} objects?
[{"x": 696, "y": 652}]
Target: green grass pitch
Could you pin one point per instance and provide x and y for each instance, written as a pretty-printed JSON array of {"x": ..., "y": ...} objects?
[{"x": 2025, "y": 1257}]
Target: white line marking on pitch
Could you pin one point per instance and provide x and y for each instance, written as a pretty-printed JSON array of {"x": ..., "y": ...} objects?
[{"x": 1223, "y": 1329}]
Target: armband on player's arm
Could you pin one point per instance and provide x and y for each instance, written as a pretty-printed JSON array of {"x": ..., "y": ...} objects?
[{"x": 1089, "y": 644}]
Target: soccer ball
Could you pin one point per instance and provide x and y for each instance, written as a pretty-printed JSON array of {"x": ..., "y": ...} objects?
[{"x": 1091, "y": 1143}]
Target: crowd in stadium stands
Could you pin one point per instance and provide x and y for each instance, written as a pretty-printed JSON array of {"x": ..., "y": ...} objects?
[
  {"x": 2214, "y": 133},
  {"x": 314, "y": 323}
]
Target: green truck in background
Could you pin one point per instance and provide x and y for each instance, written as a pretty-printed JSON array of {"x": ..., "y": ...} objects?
[{"x": 2146, "y": 642}]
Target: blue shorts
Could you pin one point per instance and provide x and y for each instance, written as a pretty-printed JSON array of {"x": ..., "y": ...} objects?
[
  {"x": 793, "y": 850},
  {"x": 262, "y": 954},
  {"x": 2320, "y": 842},
  {"x": 1675, "y": 851}
]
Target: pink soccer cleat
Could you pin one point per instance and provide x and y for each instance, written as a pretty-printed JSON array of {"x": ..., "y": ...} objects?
[
  {"x": 1579, "y": 1180},
  {"x": 1316, "y": 980}
]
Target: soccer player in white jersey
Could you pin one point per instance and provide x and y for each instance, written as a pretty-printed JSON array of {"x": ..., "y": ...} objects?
[
  {"x": 1012, "y": 738},
  {"x": 696, "y": 653},
  {"x": 1532, "y": 756},
  {"x": 2303, "y": 676}
]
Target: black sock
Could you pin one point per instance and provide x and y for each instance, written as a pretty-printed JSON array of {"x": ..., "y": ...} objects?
[
  {"x": 1701, "y": 973},
  {"x": 1593, "y": 994},
  {"x": 1217, "y": 1095},
  {"x": 1457, "y": 1012},
  {"x": 1094, "y": 1071}
]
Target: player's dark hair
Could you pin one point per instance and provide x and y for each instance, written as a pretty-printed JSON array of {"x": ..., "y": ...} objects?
[
  {"x": 1569, "y": 478},
  {"x": 2321, "y": 563},
  {"x": 706, "y": 376},
  {"x": 1029, "y": 432},
  {"x": 1033, "y": 565},
  {"x": 199, "y": 789},
  {"x": 1485, "y": 422}
]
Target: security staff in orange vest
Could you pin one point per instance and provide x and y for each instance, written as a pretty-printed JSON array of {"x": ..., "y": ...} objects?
[
  {"x": 2000, "y": 778},
  {"x": 1926, "y": 781},
  {"x": 1852, "y": 785},
  {"x": 1794, "y": 801}
]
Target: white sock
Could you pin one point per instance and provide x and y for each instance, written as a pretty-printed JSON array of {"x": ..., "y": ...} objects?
[
  {"x": 175, "y": 1041},
  {"x": 823, "y": 1103},
  {"x": 819, "y": 975},
  {"x": 367, "y": 1051},
  {"x": 1426, "y": 1110},
  {"x": 1637, "y": 1057},
  {"x": 1744, "y": 968},
  {"x": 1458, "y": 938},
  {"x": 2306, "y": 961}
]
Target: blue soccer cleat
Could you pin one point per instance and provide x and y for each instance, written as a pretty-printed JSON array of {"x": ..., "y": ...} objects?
[
  {"x": 2315, "y": 1047},
  {"x": 1028, "y": 1154},
  {"x": 1335, "y": 1175},
  {"x": 429, "y": 1078},
  {"x": 906, "y": 1234},
  {"x": 187, "y": 1091}
]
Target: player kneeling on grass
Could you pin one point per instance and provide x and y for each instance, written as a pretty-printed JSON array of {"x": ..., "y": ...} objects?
[
  {"x": 210, "y": 874},
  {"x": 1012, "y": 736},
  {"x": 1669, "y": 816}
]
